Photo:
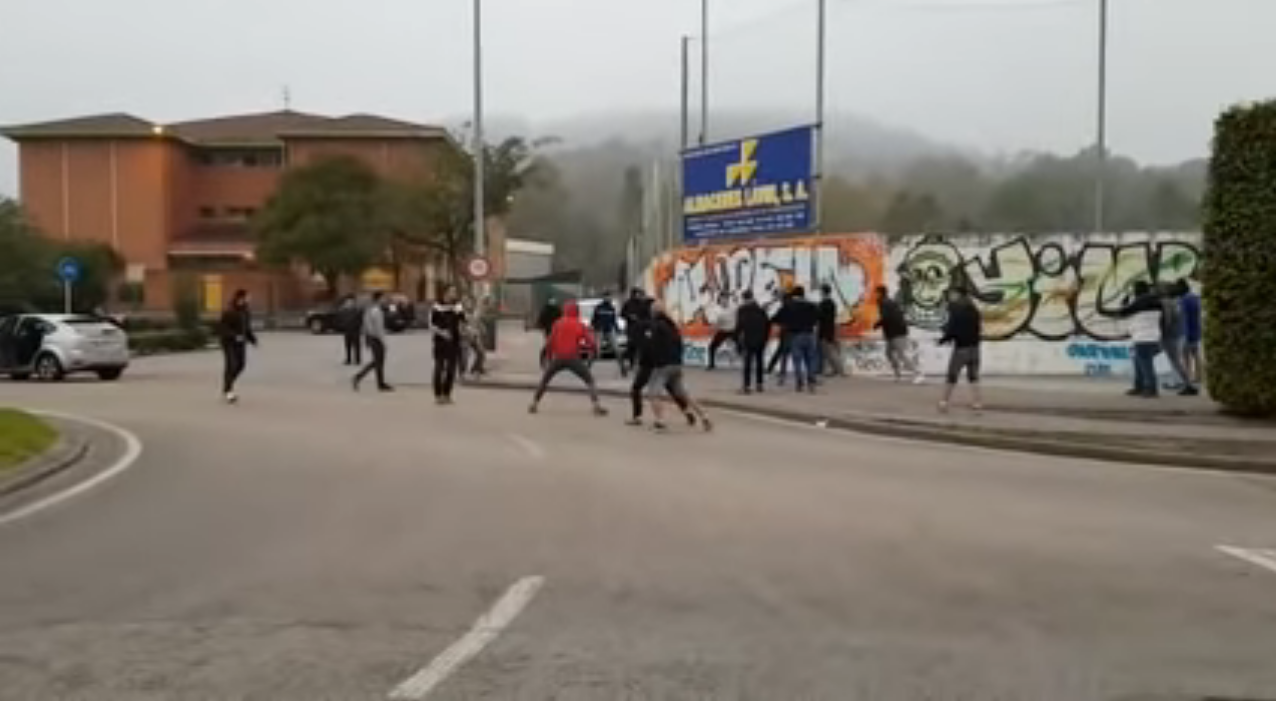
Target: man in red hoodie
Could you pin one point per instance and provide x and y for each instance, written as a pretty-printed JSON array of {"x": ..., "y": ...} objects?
[{"x": 568, "y": 339}]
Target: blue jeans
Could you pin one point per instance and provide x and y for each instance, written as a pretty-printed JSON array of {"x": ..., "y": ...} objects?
[
  {"x": 1145, "y": 368},
  {"x": 806, "y": 358}
]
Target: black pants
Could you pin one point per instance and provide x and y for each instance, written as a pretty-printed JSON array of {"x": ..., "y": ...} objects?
[
  {"x": 354, "y": 352},
  {"x": 446, "y": 357},
  {"x": 754, "y": 361},
  {"x": 576, "y": 367},
  {"x": 377, "y": 346},
  {"x": 720, "y": 338},
  {"x": 235, "y": 354},
  {"x": 641, "y": 378},
  {"x": 782, "y": 350}
]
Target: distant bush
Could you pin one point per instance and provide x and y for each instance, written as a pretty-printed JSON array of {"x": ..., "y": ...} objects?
[
  {"x": 186, "y": 302},
  {"x": 171, "y": 341},
  {"x": 1240, "y": 255}
]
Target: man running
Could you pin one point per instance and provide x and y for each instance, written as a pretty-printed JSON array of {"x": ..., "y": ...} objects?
[
  {"x": 963, "y": 330},
  {"x": 666, "y": 349},
  {"x": 374, "y": 332},
  {"x": 235, "y": 332},
  {"x": 567, "y": 339},
  {"x": 447, "y": 319},
  {"x": 639, "y": 330},
  {"x": 633, "y": 311}
]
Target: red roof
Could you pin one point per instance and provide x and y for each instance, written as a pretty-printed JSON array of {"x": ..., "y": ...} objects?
[{"x": 247, "y": 129}]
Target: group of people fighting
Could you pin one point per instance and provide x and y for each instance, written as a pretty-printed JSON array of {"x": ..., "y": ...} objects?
[{"x": 654, "y": 350}]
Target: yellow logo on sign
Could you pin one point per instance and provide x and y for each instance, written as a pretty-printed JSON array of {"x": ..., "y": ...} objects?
[{"x": 743, "y": 172}]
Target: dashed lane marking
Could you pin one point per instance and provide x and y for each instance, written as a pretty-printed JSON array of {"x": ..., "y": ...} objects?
[
  {"x": 486, "y": 629},
  {"x": 1262, "y": 558}
]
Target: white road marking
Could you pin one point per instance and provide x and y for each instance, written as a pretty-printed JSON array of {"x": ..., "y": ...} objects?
[
  {"x": 1263, "y": 558},
  {"x": 486, "y": 629},
  {"x": 529, "y": 446},
  {"x": 132, "y": 450}
]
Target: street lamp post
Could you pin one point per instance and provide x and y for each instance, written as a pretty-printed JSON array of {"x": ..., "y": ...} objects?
[
  {"x": 480, "y": 229},
  {"x": 704, "y": 72},
  {"x": 817, "y": 196},
  {"x": 1101, "y": 127}
]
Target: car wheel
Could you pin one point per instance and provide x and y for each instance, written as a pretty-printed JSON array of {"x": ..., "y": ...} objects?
[
  {"x": 110, "y": 375},
  {"x": 316, "y": 326},
  {"x": 49, "y": 368}
]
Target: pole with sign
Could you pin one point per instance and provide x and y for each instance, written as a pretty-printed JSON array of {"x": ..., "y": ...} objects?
[{"x": 69, "y": 273}]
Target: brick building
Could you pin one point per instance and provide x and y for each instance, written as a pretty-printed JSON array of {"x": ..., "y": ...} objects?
[{"x": 176, "y": 199}]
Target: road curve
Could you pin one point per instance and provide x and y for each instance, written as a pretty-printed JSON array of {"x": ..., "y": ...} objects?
[{"x": 316, "y": 543}]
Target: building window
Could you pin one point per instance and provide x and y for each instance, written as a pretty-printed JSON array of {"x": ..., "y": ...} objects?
[
  {"x": 240, "y": 213},
  {"x": 241, "y": 158}
]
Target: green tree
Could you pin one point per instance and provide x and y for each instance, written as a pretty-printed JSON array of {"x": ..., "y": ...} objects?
[
  {"x": 330, "y": 216},
  {"x": 1240, "y": 217},
  {"x": 912, "y": 214},
  {"x": 28, "y": 277}
]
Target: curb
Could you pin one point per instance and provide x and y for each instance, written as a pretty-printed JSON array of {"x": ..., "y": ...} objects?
[
  {"x": 69, "y": 450},
  {"x": 1038, "y": 443}
]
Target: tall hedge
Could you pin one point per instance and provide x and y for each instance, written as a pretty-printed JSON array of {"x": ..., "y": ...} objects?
[{"x": 1239, "y": 276}]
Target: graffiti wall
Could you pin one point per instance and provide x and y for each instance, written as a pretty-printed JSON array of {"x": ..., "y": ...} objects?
[{"x": 1049, "y": 302}]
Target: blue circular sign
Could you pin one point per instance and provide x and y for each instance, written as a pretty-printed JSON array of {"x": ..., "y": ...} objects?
[{"x": 69, "y": 269}]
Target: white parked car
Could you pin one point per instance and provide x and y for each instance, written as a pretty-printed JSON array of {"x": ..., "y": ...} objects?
[{"x": 51, "y": 346}]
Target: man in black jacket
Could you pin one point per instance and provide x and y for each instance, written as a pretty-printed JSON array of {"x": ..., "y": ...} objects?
[
  {"x": 665, "y": 341},
  {"x": 632, "y": 311},
  {"x": 801, "y": 323},
  {"x": 605, "y": 328},
  {"x": 350, "y": 322},
  {"x": 963, "y": 330},
  {"x": 235, "y": 332},
  {"x": 753, "y": 330},
  {"x": 447, "y": 319},
  {"x": 782, "y": 349},
  {"x": 894, "y": 327},
  {"x": 639, "y": 331},
  {"x": 830, "y": 352}
]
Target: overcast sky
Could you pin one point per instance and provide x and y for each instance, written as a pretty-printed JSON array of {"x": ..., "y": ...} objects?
[{"x": 996, "y": 75}]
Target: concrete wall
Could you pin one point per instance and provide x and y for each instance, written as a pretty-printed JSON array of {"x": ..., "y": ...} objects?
[{"x": 1047, "y": 300}]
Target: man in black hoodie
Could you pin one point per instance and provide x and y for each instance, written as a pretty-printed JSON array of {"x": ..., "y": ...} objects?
[
  {"x": 634, "y": 308},
  {"x": 963, "y": 330},
  {"x": 666, "y": 350},
  {"x": 235, "y": 332},
  {"x": 447, "y": 319},
  {"x": 782, "y": 349},
  {"x": 639, "y": 330},
  {"x": 801, "y": 322},
  {"x": 894, "y": 327},
  {"x": 753, "y": 330}
]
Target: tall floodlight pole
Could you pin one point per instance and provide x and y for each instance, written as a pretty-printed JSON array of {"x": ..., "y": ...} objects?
[
  {"x": 1101, "y": 128},
  {"x": 480, "y": 228},
  {"x": 817, "y": 179},
  {"x": 704, "y": 71},
  {"x": 685, "y": 116}
]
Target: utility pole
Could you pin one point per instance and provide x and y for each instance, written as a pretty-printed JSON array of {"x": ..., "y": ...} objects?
[
  {"x": 704, "y": 72},
  {"x": 480, "y": 228},
  {"x": 685, "y": 116},
  {"x": 817, "y": 179},
  {"x": 1101, "y": 137}
]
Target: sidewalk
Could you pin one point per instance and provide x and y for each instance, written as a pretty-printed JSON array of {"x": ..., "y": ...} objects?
[{"x": 1064, "y": 416}]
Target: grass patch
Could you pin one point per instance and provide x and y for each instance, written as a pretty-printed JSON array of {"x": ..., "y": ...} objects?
[{"x": 22, "y": 436}]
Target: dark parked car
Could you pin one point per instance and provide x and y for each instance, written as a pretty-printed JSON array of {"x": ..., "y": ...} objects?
[{"x": 400, "y": 315}]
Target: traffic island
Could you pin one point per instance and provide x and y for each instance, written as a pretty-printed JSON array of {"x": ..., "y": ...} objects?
[{"x": 33, "y": 449}]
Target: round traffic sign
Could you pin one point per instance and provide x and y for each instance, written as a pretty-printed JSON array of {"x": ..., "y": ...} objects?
[
  {"x": 69, "y": 269},
  {"x": 478, "y": 268}
]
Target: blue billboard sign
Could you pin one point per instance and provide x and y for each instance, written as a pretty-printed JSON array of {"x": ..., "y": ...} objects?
[{"x": 749, "y": 187}]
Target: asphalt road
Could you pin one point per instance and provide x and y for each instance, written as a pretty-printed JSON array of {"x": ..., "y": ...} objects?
[{"x": 313, "y": 543}]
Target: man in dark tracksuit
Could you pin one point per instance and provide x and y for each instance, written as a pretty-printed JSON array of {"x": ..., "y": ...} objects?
[
  {"x": 235, "y": 332},
  {"x": 632, "y": 311},
  {"x": 447, "y": 320},
  {"x": 784, "y": 347},
  {"x": 639, "y": 330},
  {"x": 350, "y": 322},
  {"x": 963, "y": 330},
  {"x": 665, "y": 348},
  {"x": 753, "y": 330}
]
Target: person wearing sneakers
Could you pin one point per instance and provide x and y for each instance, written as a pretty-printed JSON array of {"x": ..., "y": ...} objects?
[
  {"x": 567, "y": 338},
  {"x": 374, "y": 332},
  {"x": 894, "y": 327},
  {"x": 638, "y": 331},
  {"x": 963, "y": 330},
  {"x": 666, "y": 349},
  {"x": 235, "y": 332},
  {"x": 448, "y": 321}
]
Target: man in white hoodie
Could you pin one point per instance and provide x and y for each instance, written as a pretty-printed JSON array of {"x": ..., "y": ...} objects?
[
  {"x": 724, "y": 323},
  {"x": 1144, "y": 313}
]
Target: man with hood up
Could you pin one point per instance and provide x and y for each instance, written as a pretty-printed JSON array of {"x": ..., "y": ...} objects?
[{"x": 568, "y": 338}]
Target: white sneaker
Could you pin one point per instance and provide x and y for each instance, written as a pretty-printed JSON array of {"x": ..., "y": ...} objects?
[
  {"x": 231, "y": 398},
  {"x": 920, "y": 379}
]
